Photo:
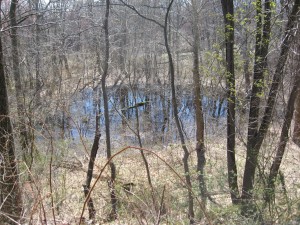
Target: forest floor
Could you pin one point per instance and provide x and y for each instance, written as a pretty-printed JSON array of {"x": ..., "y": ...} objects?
[{"x": 137, "y": 203}]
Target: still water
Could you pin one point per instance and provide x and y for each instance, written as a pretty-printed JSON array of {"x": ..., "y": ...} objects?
[{"x": 154, "y": 110}]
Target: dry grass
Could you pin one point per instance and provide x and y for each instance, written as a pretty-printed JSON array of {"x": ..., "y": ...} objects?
[{"x": 137, "y": 206}]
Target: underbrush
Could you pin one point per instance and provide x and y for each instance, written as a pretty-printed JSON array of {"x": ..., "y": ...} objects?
[{"x": 53, "y": 188}]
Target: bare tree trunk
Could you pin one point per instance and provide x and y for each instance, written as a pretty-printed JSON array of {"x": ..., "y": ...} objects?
[
  {"x": 143, "y": 154},
  {"x": 296, "y": 133},
  {"x": 94, "y": 150},
  {"x": 113, "y": 214},
  {"x": 228, "y": 13},
  {"x": 191, "y": 213},
  {"x": 200, "y": 148},
  {"x": 17, "y": 78},
  {"x": 38, "y": 84},
  {"x": 123, "y": 96},
  {"x": 10, "y": 194}
]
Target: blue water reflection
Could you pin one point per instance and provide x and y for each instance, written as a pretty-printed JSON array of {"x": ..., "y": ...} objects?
[{"x": 154, "y": 110}]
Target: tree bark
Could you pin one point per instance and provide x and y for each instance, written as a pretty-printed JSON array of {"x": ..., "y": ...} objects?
[
  {"x": 113, "y": 214},
  {"x": 94, "y": 150},
  {"x": 227, "y": 6},
  {"x": 191, "y": 213},
  {"x": 200, "y": 147},
  {"x": 246, "y": 58},
  {"x": 296, "y": 133},
  {"x": 38, "y": 83},
  {"x": 261, "y": 50},
  {"x": 263, "y": 29},
  {"x": 17, "y": 78},
  {"x": 10, "y": 194}
]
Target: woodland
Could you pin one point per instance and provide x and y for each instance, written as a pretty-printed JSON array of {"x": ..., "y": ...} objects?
[{"x": 149, "y": 112}]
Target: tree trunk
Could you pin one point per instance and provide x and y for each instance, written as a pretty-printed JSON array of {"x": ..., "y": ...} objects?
[
  {"x": 200, "y": 148},
  {"x": 227, "y": 6},
  {"x": 191, "y": 213},
  {"x": 38, "y": 84},
  {"x": 263, "y": 29},
  {"x": 142, "y": 153},
  {"x": 10, "y": 194},
  {"x": 296, "y": 133},
  {"x": 246, "y": 59},
  {"x": 17, "y": 78},
  {"x": 113, "y": 214},
  {"x": 261, "y": 51},
  {"x": 94, "y": 150}
]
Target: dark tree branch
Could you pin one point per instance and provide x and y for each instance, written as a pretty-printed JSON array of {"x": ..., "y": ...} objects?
[{"x": 141, "y": 15}]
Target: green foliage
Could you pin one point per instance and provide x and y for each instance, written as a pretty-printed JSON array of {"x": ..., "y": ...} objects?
[
  {"x": 231, "y": 215},
  {"x": 273, "y": 4}
]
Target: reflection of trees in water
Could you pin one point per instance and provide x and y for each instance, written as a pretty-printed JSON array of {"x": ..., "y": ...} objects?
[{"x": 154, "y": 108}]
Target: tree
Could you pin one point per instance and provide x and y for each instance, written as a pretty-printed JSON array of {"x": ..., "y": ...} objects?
[
  {"x": 296, "y": 133},
  {"x": 94, "y": 150},
  {"x": 200, "y": 147},
  {"x": 186, "y": 155},
  {"x": 24, "y": 138},
  {"x": 256, "y": 135},
  {"x": 10, "y": 194},
  {"x": 227, "y": 6},
  {"x": 113, "y": 196}
]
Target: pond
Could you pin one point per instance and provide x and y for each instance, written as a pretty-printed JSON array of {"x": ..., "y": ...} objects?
[{"x": 152, "y": 107}]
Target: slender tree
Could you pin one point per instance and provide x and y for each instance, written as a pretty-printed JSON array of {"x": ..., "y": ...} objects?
[
  {"x": 191, "y": 213},
  {"x": 17, "y": 78},
  {"x": 113, "y": 196},
  {"x": 227, "y": 6},
  {"x": 38, "y": 83},
  {"x": 200, "y": 148},
  {"x": 296, "y": 132},
  {"x": 94, "y": 150}
]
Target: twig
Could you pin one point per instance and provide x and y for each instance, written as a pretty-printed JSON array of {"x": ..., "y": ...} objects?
[
  {"x": 141, "y": 15},
  {"x": 161, "y": 205},
  {"x": 38, "y": 200},
  {"x": 50, "y": 177}
]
